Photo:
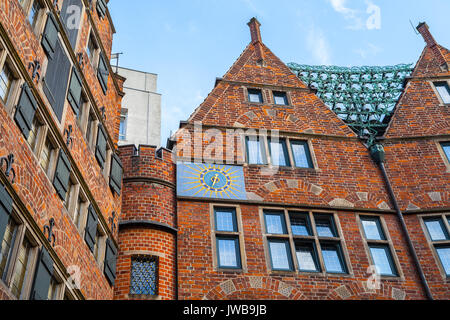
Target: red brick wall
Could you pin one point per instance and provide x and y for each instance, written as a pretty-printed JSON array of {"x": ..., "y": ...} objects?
[
  {"x": 32, "y": 186},
  {"x": 198, "y": 279}
]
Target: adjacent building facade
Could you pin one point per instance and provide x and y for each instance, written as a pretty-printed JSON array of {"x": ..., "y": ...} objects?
[
  {"x": 140, "y": 121},
  {"x": 60, "y": 176},
  {"x": 268, "y": 194}
]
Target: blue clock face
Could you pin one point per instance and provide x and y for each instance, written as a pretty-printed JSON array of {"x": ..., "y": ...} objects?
[{"x": 211, "y": 181}]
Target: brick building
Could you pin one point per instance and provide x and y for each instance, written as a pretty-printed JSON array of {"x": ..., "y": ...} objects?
[
  {"x": 60, "y": 175},
  {"x": 309, "y": 204}
]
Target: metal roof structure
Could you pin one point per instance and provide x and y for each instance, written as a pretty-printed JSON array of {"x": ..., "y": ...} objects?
[{"x": 363, "y": 97}]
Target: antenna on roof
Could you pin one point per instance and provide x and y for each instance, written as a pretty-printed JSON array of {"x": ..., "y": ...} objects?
[{"x": 412, "y": 25}]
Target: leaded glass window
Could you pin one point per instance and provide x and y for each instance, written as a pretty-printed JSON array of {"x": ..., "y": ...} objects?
[
  {"x": 312, "y": 238},
  {"x": 144, "y": 276},
  {"x": 7, "y": 245},
  {"x": 439, "y": 234},
  {"x": 444, "y": 91},
  {"x": 380, "y": 249},
  {"x": 6, "y": 79},
  {"x": 280, "y": 255},
  {"x": 301, "y": 154},
  {"x": 256, "y": 152},
  {"x": 255, "y": 96},
  {"x": 227, "y": 238},
  {"x": 279, "y": 153}
]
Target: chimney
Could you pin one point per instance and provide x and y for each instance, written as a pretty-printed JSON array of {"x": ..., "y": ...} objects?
[
  {"x": 432, "y": 44},
  {"x": 256, "y": 38}
]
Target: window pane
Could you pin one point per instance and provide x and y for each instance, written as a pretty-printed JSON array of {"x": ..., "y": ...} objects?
[
  {"x": 383, "y": 260},
  {"x": 228, "y": 249},
  {"x": 225, "y": 220},
  {"x": 306, "y": 258},
  {"x": 7, "y": 246},
  {"x": 279, "y": 153},
  {"x": 144, "y": 275},
  {"x": 5, "y": 82},
  {"x": 280, "y": 98},
  {"x": 444, "y": 255},
  {"x": 53, "y": 290},
  {"x": 280, "y": 255},
  {"x": 444, "y": 91},
  {"x": 22, "y": 269},
  {"x": 255, "y": 151},
  {"x": 446, "y": 147},
  {"x": 324, "y": 227},
  {"x": 372, "y": 229},
  {"x": 436, "y": 229},
  {"x": 255, "y": 96},
  {"x": 300, "y": 225},
  {"x": 275, "y": 223},
  {"x": 300, "y": 152},
  {"x": 332, "y": 260}
]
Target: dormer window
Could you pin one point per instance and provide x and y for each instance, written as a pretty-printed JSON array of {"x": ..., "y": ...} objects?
[
  {"x": 255, "y": 96},
  {"x": 444, "y": 91},
  {"x": 280, "y": 98}
]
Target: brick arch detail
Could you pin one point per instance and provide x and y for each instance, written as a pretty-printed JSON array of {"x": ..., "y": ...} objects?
[
  {"x": 265, "y": 190},
  {"x": 246, "y": 283},
  {"x": 425, "y": 198},
  {"x": 357, "y": 290},
  {"x": 267, "y": 113}
]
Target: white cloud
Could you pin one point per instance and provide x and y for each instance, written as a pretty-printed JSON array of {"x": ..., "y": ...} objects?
[
  {"x": 368, "y": 51},
  {"x": 349, "y": 14},
  {"x": 318, "y": 46}
]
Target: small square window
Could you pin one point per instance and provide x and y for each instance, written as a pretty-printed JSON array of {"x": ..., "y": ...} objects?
[
  {"x": 436, "y": 229},
  {"x": 444, "y": 255},
  {"x": 325, "y": 227},
  {"x": 382, "y": 258},
  {"x": 446, "y": 148},
  {"x": 255, "y": 96},
  {"x": 280, "y": 255},
  {"x": 144, "y": 276},
  {"x": 301, "y": 154},
  {"x": 307, "y": 257},
  {"x": 280, "y": 98},
  {"x": 444, "y": 91},
  {"x": 226, "y": 220},
  {"x": 300, "y": 224},
  {"x": 275, "y": 223},
  {"x": 372, "y": 228},
  {"x": 279, "y": 153},
  {"x": 332, "y": 258},
  {"x": 256, "y": 152}
]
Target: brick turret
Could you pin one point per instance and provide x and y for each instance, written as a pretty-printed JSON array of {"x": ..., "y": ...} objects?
[{"x": 147, "y": 229}]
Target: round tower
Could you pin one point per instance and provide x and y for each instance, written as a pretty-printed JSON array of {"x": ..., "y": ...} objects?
[{"x": 146, "y": 265}]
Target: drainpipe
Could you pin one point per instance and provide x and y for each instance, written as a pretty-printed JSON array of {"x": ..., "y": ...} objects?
[{"x": 378, "y": 154}]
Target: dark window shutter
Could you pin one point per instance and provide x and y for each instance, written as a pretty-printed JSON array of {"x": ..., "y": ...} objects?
[
  {"x": 56, "y": 80},
  {"x": 115, "y": 178},
  {"x": 5, "y": 210},
  {"x": 110, "y": 261},
  {"x": 42, "y": 276},
  {"x": 67, "y": 19},
  {"x": 50, "y": 35},
  {"x": 100, "y": 149},
  {"x": 62, "y": 175},
  {"x": 74, "y": 95},
  {"x": 103, "y": 73},
  {"x": 101, "y": 8},
  {"x": 91, "y": 228},
  {"x": 26, "y": 109}
]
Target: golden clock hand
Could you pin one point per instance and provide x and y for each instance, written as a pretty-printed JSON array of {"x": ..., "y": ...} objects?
[{"x": 215, "y": 179}]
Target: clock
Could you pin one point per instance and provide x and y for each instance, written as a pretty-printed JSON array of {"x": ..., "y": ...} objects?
[{"x": 210, "y": 181}]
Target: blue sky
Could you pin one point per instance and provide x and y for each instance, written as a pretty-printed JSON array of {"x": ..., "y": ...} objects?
[{"x": 189, "y": 43}]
